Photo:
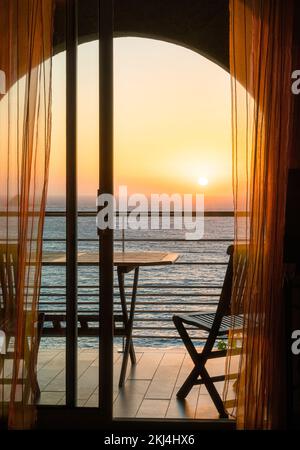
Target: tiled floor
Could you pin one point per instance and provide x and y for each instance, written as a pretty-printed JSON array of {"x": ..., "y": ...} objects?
[{"x": 150, "y": 388}]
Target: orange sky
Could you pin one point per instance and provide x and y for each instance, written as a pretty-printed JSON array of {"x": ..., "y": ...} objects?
[{"x": 172, "y": 122}]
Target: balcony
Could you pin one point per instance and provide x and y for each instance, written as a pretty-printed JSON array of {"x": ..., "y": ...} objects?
[{"x": 193, "y": 283}]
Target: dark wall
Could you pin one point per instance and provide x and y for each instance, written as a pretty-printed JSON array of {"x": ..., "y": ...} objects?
[{"x": 201, "y": 25}]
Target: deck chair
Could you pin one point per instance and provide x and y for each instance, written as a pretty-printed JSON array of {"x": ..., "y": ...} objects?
[
  {"x": 217, "y": 325},
  {"x": 8, "y": 311}
]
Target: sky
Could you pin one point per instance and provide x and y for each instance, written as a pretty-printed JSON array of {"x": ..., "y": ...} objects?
[{"x": 172, "y": 122}]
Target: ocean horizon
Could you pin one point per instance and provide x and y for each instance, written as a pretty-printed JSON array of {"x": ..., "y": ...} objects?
[{"x": 162, "y": 290}]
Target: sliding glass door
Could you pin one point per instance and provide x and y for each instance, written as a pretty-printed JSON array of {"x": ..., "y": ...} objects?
[
  {"x": 76, "y": 355},
  {"x": 90, "y": 174}
]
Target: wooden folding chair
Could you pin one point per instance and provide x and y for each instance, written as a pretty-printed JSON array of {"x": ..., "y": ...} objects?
[
  {"x": 217, "y": 325},
  {"x": 8, "y": 312}
]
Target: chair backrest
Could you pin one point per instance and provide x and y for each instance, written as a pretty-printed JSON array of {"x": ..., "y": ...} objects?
[
  {"x": 8, "y": 278},
  {"x": 236, "y": 281}
]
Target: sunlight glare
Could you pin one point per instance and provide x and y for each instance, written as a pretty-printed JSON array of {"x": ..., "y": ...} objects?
[{"x": 203, "y": 181}]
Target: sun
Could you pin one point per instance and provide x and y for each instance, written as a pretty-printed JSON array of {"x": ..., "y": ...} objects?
[{"x": 203, "y": 181}]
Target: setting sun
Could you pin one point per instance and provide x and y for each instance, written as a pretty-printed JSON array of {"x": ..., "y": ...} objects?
[{"x": 203, "y": 181}]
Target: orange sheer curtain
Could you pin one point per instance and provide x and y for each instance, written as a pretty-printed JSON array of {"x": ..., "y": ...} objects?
[
  {"x": 25, "y": 130},
  {"x": 260, "y": 62}
]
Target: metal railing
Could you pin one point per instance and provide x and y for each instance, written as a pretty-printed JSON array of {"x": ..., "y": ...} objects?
[{"x": 158, "y": 298}]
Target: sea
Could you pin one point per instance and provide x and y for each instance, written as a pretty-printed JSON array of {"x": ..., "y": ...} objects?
[{"x": 192, "y": 284}]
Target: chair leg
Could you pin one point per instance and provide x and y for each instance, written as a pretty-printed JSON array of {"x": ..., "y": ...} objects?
[
  {"x": 41, "y": 318},
  {"x": 199, "y": 370},
  {"x": 193, "y": 376},
  {"x": 37, "y": 392},
  {"x": 186, "y": 339},
  {"x": 188, "y": 384},
  {"x": 215, "y": 396},
  {"x": 33, "y": 385}
]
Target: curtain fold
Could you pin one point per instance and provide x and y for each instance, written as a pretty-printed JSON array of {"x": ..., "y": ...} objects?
[
  {"x": 26, "y": 29},
  {"x": 261, "y": 34}
]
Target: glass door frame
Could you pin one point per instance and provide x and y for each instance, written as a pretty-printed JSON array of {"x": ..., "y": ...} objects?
[
  {"x": 106, "y": 186},
  {"x": 71, "y": 203},
  {"x": 106, "y": 237}
]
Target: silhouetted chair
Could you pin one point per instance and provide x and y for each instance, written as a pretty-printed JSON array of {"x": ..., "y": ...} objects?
[
  {"x": 217, "y": 325},
  {"x": 8, "y": 318}
]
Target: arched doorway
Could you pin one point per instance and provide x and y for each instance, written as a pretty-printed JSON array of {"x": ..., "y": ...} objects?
[{"x": 169, "y": 101}]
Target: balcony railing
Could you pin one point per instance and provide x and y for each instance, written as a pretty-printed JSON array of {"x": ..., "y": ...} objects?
[{"x": 193, "y": 283}]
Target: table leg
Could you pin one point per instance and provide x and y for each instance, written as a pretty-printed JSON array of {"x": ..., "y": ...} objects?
[
  {"x": 129, "y": 350},
  {"x": 121, "y": 275}
]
